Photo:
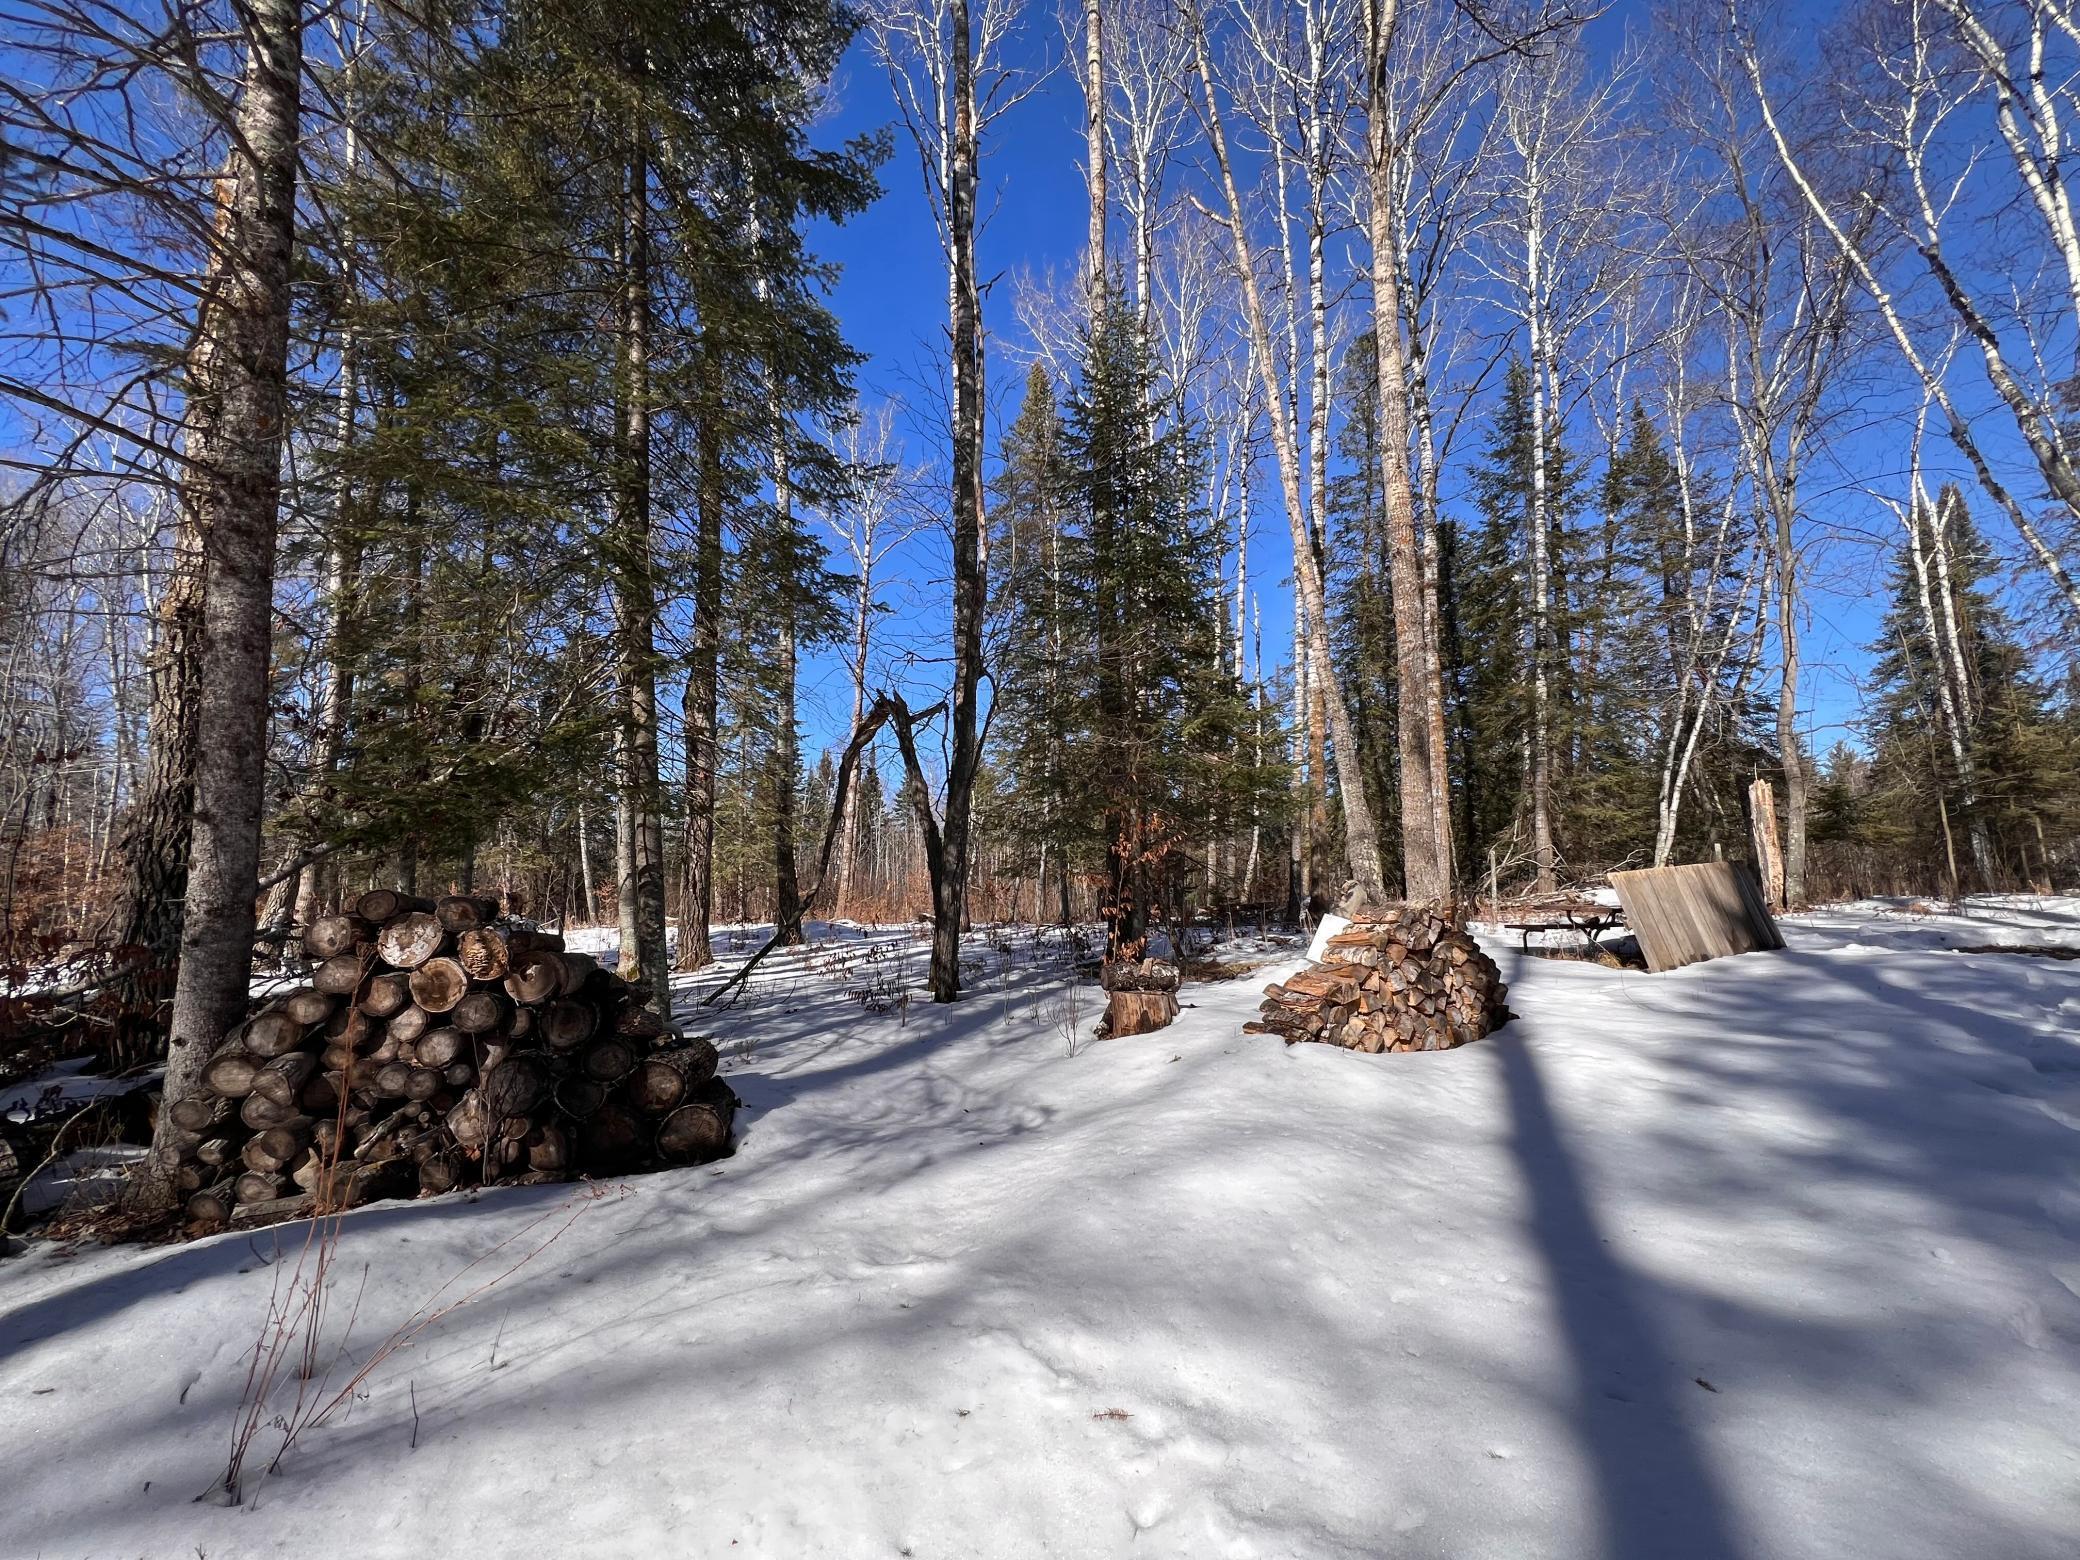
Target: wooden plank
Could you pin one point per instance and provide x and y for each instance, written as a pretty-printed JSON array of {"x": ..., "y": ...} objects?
[{"x": 1686, "y": 915}]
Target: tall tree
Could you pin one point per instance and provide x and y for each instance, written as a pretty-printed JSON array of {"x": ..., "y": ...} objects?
[
  {"x": 935, "y": 51},
  {"x": 237, "y": 410},
  {"x": 1361, "y": 835}
]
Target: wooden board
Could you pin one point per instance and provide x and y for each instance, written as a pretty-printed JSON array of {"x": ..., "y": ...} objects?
[{"x": 1685, "y": 915}]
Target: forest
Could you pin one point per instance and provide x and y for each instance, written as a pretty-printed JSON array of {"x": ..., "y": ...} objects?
[
  {"x": 1453, "y": 447},
  {"x": 986, "y": 778}
]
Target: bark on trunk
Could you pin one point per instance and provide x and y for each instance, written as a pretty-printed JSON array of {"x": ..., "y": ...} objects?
[
  {"x": 1361, "y": 835},
  {"x": 156, "y": 828},
  {"x": 1426, "y": 829},
  {"x": 232, "y": 486},
  {"x": 970, "y": 532},
  {"x": 1094, "y": 155},
  {"x": 642, "y": 882},
  {"x": 697, "y": 708}
]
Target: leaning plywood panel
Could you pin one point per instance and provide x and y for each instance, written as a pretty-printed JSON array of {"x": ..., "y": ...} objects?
[{"x": 1684, "y": 915}]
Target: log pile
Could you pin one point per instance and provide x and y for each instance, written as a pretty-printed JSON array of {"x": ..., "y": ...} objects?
[
  {"x": 1404, "y": 979},
  {"x": 437, "y": 1046},
  {"x": 1141, "y": 996}
]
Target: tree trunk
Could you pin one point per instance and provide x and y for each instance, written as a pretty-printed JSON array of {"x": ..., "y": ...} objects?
[
  {"x": 785, "y": 765},
  {"x": 1361, "y": 835},
  {"x": 314, "y": 893},
  {"x": 698, "y": 703},
  {"x": 156, "y": 829},
  {"x": 784, "y": 762},
  {"x": 1094, "y": 278},
  {"x": 970, "y": 530},
  {"x": 848, "y": 834},
  {"x": 1788, "y": 744},
  {"x": 1426, "y": 829},
  {"x": 232, "y": 486},
  {"x": 642, "y": 884},
  {"x": 1536, "y": 520}
]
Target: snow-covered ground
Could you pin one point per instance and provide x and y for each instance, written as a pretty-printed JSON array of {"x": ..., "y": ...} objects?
[{"x": 1774, "y": 1256}]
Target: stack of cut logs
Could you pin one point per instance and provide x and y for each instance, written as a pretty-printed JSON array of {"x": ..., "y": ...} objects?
[
  {"x": 1141, "y": 995},
  {"x": 438, "y": 1047},
  {"x": 1405, "y": 979}
]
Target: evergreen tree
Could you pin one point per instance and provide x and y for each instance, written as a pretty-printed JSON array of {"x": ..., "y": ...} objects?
[
  {"x": 589, "y": 336},
  {"x": 1142, "y": 745},
  {"x": 1626, "y": 608},
  {"x": 1034, "y": 625},
  {"x": 2021, "y": 768}
]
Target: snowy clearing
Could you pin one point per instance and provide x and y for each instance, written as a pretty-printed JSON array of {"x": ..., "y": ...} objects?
[{"x": 1774, "y": 1256}]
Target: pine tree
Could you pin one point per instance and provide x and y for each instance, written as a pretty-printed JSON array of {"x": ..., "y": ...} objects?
[
  {"x": 2020, "y": 763},
  {"x": 1040, "y": 640},
  {"x": 539, "y": 477},
  {"x": 1122, "y": 735}
]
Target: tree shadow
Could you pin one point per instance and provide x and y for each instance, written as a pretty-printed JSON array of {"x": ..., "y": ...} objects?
[{"x": 1658, "y": 1492}]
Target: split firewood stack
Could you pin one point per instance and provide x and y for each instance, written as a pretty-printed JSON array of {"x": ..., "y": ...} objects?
[
  {"x": 1403, "y": 979},
  {"x": 438, "y": 1046}
]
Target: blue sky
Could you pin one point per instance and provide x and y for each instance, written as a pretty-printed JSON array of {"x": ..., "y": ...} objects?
[{"x": 891, "y": 300}]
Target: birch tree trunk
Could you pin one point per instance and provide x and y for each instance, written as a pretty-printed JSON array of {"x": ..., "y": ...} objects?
[
  {"x": 1541, "y": 582},
  {"x": 1937, "y": 628},
  {"x": 342, "y": 551},
  {"x": 1361, "y": 835},
  {"x": 1426, "y": 827},
  {"x": 237, "y": 395},
  {"x": 970, "y": 527},
  {"x": 1094, "y": 279}
]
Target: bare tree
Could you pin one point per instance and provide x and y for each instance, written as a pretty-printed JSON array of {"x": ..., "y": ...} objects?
[
  {"x": 1926, "y": 525},
  {"x": 1294, "y": 78},
  {"x": 1906, "y": 124},
  {"x": 1560, "y": 258},
  {"x": 1147, "y": 56},
  {"x": 946, "y": 66},
  {"x": 876, "y": 521},
  {"x": 1711, "y": 651},
  {"x": 1361, "y": 834},
  {"x": 232, "y": 486}
]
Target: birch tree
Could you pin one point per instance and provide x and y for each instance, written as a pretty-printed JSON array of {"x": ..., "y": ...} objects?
[
  {"x": 946, "y": 64},
  {"x": 1361, "y": 834},
  {"x": 231, "y": 486},
  {"x": 1906, "y": 122}
]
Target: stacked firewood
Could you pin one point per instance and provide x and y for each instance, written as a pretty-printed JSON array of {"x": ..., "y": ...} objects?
[
  {"x": 1404, "y": 979},
  {"x": 437, "y": 1046}
]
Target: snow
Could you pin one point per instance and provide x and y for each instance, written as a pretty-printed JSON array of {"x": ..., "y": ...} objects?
[
  {"x": 1772, "y": 1256},
  {"x": 58, "y": 1089}
]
